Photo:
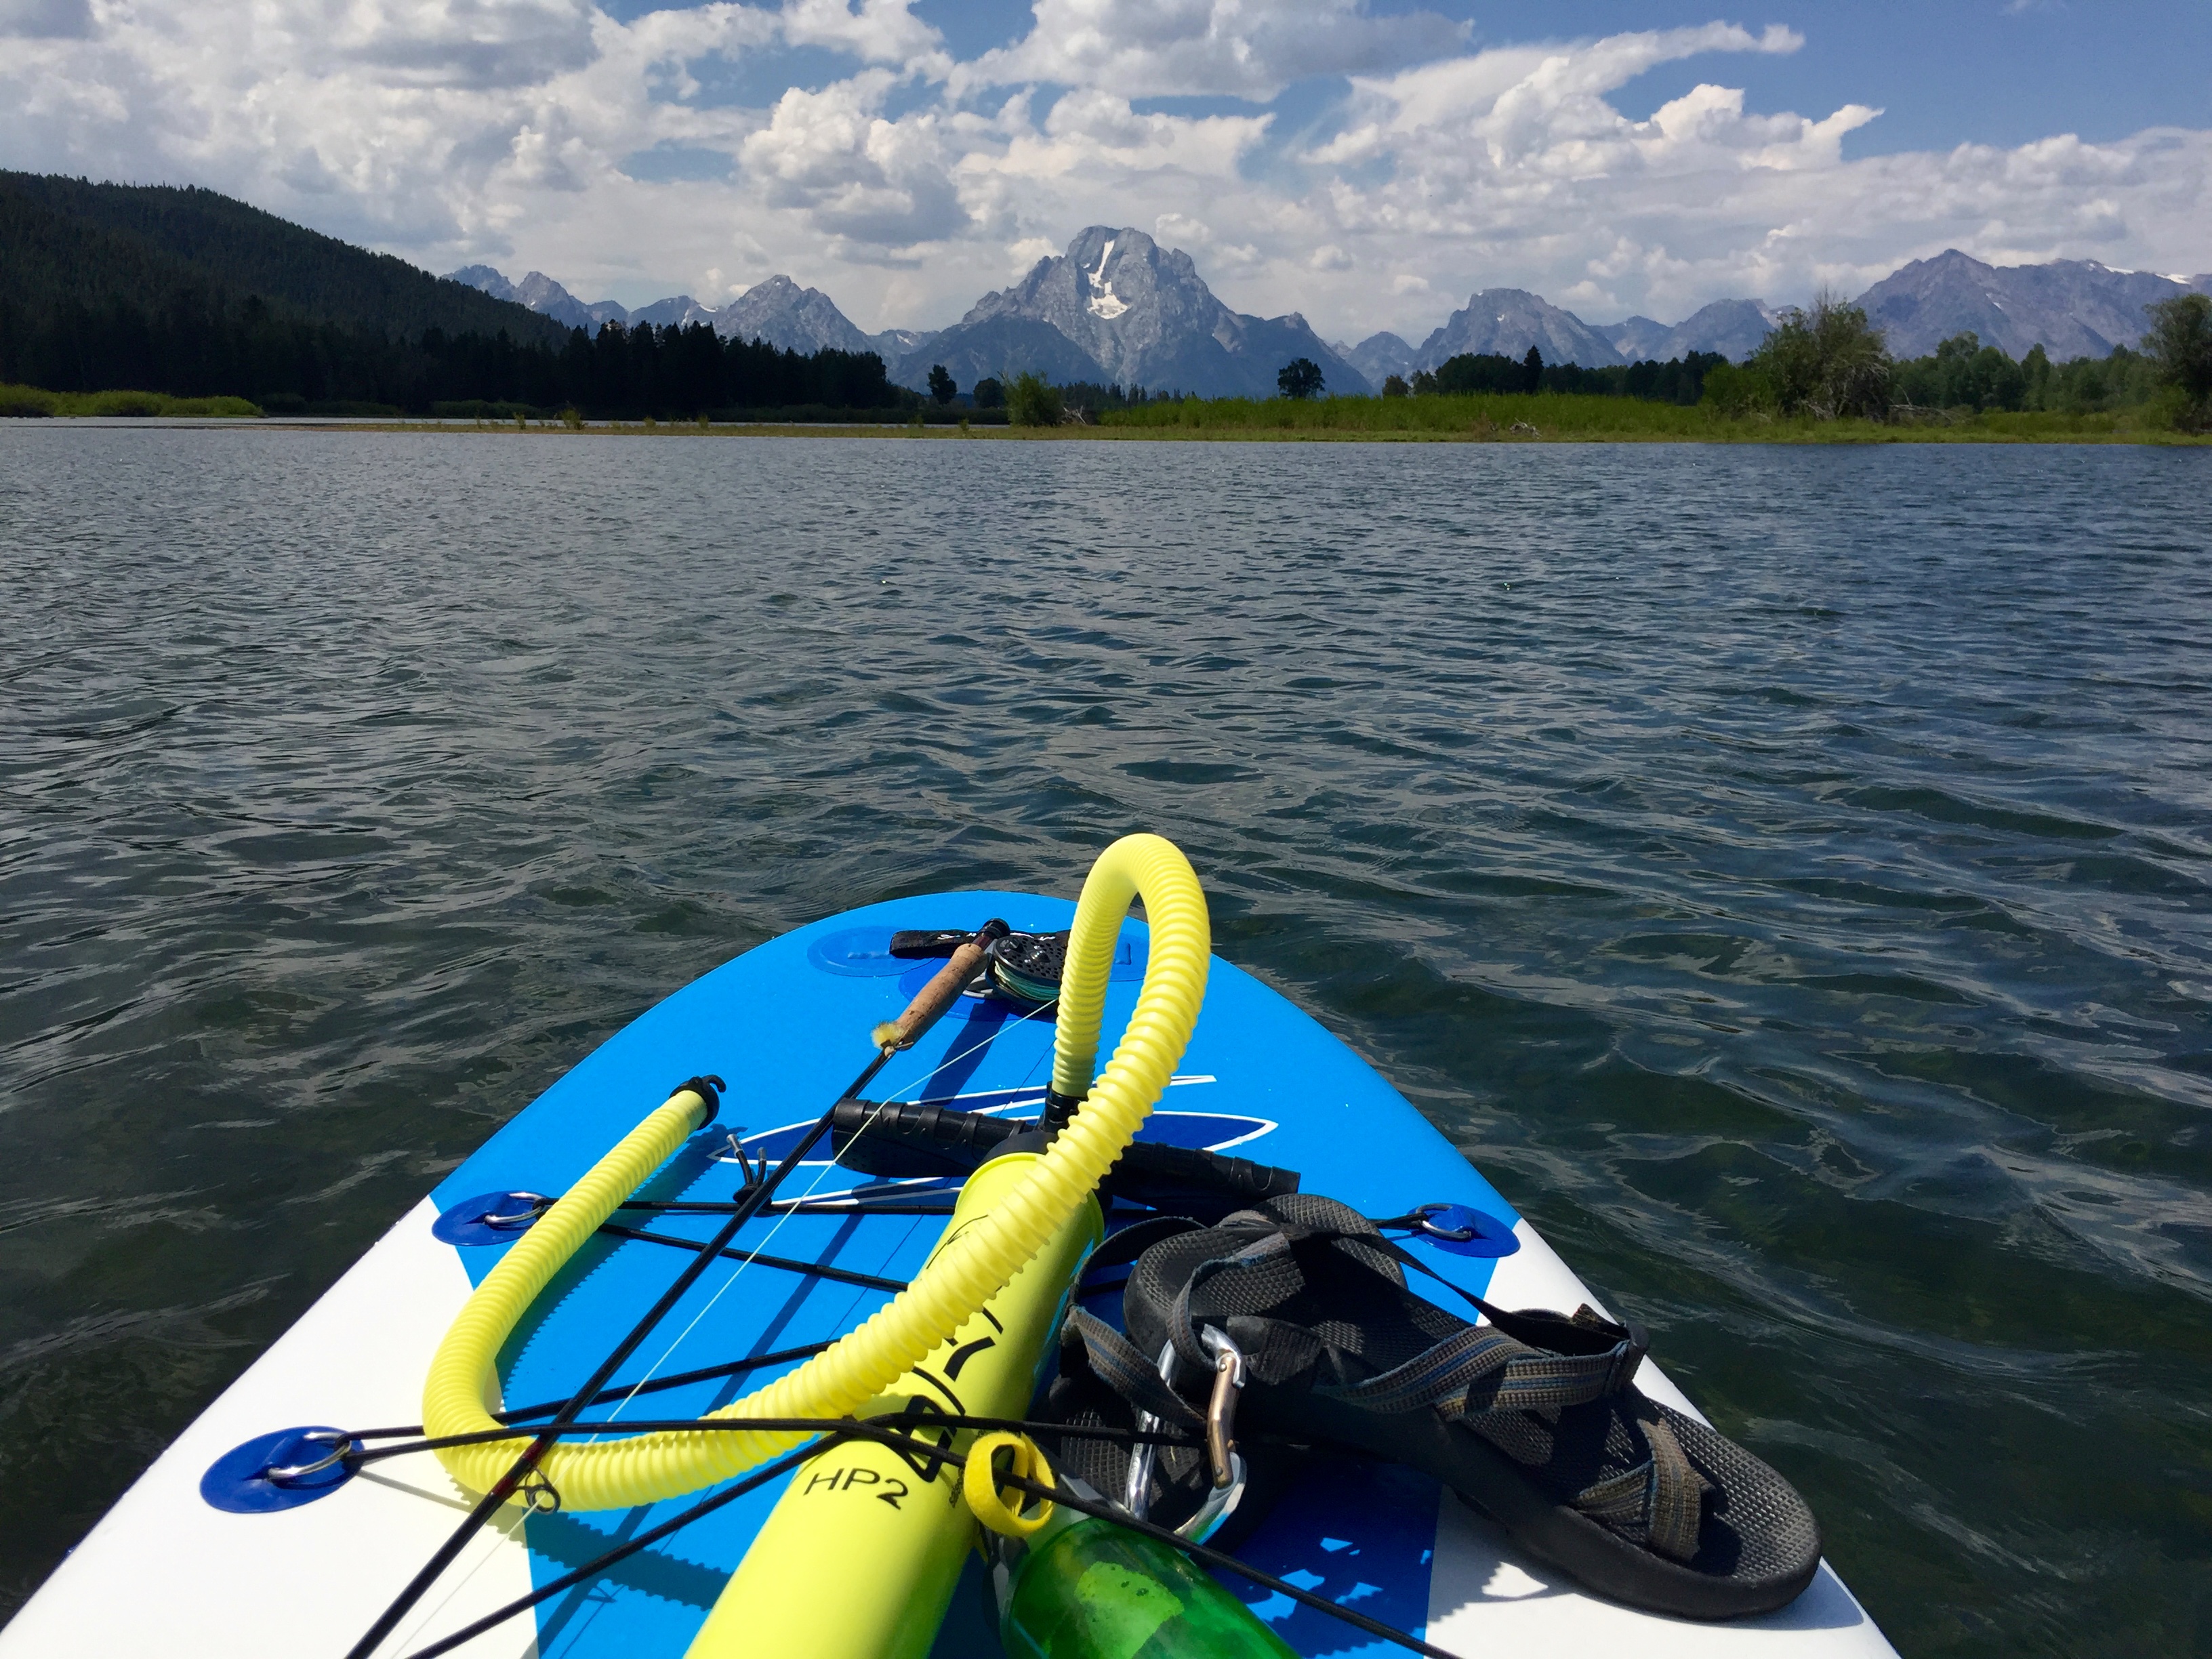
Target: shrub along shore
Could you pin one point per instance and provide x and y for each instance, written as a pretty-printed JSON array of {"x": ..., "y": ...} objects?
[{"x": 32, "y": 401}]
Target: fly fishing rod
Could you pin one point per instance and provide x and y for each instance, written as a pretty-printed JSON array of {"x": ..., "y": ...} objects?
[{"x": 702, "y": 1096}]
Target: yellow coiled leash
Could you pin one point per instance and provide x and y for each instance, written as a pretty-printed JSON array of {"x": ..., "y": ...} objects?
[{"x": 965, "y": 1273}]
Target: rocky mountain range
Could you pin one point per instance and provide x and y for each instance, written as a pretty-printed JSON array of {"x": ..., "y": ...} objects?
[
  {"x": 1118, "y": 308},
  {"x": 542, "y": 294},
  {"x": 1732, "y": 327},
  {"x": 2071, "y": 307},
  {"x": 780, "y": 312},
  {"x": 1506, "y": 321}
]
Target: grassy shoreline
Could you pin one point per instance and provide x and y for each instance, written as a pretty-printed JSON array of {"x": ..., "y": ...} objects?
[
  {"x": 1718, "y": 432},
  {"x": 1546, "y": 417},
  {"x": 1506, "y": 417}
]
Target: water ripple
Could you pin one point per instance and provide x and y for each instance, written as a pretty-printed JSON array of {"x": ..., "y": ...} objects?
[{"x": 1786, "y": 872}]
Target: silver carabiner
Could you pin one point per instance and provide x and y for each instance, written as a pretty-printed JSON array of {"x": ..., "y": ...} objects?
[
  {"x": 1226, "y": 1490},
  {"x": 1136, "y": 1491}
]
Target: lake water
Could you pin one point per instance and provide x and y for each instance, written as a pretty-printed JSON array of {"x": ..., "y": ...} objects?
[{"x": 1788, "y": 872}]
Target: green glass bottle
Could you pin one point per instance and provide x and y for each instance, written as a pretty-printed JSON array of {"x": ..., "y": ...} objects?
[{"x": 1087, "y": 1589}]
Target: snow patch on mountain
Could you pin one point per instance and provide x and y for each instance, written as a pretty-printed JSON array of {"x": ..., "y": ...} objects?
[{"x": 1102, "y": 303}]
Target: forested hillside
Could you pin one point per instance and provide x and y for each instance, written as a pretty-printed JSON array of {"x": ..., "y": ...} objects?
[
  {"x": 64, "y": 240},
  {"x": 151, "y": 288}
]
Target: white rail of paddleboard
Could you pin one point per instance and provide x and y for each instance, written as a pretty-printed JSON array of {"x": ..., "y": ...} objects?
[{"x": 163, "y": 1573}]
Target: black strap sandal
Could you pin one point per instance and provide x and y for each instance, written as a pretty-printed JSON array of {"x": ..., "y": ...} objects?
[
  {"x": 1533, "y": 1416},
  {"x": 1212, "y": 1491}
]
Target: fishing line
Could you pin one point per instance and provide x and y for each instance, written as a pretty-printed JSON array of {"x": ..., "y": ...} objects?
[
  {"x": 785, "y": 1215},
  {"x": 951, "y": 1060},
  {"x": 821, "y": 1176},
  {"x": 526, "y": 1462},
  {"x": 414, "y": 1441}
]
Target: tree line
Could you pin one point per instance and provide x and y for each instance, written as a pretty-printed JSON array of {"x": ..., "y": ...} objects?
[
  {"x": 1678, "y": 380},
  {"x": 1827, "y": 362},
  {"x": 197, "y": 342}
]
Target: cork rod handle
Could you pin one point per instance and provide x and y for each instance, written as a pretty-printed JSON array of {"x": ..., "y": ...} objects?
[{"x": 943, "y": 990}]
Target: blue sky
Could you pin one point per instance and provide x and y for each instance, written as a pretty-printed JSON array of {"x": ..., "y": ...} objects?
[
  {"x": 1949, "y": 72},
  {"x": 1954, "y": 71},
  {"x": 1369, "y": 162}
]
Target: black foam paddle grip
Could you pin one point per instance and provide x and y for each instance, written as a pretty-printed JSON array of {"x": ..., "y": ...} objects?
[
  {"x": 909, "y": 1140},
  {"x": 1185, "y": 1179}
]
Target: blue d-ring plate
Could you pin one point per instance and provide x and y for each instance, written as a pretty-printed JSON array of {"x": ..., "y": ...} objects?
[
  {"x": 237, "y": 1481},
  {"x": 1493, "y": 1237},
  {"x": 464, "y": 1223},
  {"x": 866, "y": 953},
  {"x": 859, "y": 953}
]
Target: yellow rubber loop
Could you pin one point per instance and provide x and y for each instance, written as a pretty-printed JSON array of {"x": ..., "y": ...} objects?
[
  {"x": 979, "y": 1483},
  {"x": 459, "y": 1395}
]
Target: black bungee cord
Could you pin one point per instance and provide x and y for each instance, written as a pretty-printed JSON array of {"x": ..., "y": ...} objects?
[
  {"x": 526, "y": 1463},
  {"x": 521, "y": 1414},
  {"x": 784, "y": 1263},
  {"x": 836, "y": 1432},
  {"x": 622, "y": 1551},
  {"x": 756, "y": 1199}
]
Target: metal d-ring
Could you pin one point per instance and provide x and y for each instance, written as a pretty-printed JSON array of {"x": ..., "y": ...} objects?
[
  {"x": 538, "y": 1205},
  {"x": 339, "y": 1453},
  {"x": 1421, "y": 1213},
  {"x": 1136, "y": 1495},
  {"x": 1226, "y": 1463}
]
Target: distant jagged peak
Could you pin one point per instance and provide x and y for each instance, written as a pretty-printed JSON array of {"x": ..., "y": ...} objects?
[
  {"x": 778, "y": 288},
  {"x": 678, "y": 310},
  {"x": 787, "y": 315},
  {"x": 1733, "y": 328},
  {"x": 544, "y": 295},
  {"x": 777, "y": 310},
  {"x": 1108, "y": 274},
  {"x": 538, "y": 287},
  {"x": 1379, "y": 356},
  {"x": 485, "y": 279},
  {"x": 1507, "y": 321},
  {"x": 1122, "y": 308}
]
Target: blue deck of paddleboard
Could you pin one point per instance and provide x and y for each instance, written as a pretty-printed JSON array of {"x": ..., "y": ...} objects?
[{"x": 785, "y": 1026}]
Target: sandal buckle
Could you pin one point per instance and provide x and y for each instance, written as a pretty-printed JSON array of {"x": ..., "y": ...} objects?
[{"x": 1627, "y": 1356}]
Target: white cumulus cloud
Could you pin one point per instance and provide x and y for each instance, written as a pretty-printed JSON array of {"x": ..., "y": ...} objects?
[
  {"x": 1245, "y": 48},
  {"x": 905, "y": 181}
]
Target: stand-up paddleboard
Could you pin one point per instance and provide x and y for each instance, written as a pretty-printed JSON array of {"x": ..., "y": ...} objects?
[{"x": 262, "y": 1529}]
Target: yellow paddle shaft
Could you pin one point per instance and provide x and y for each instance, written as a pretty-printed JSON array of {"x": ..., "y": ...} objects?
[{"x": 858, "y": 1559}]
